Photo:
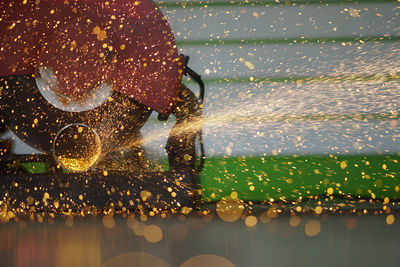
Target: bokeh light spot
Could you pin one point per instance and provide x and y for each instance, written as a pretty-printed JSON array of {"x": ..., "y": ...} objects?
[
  {"x": 251, "y": 221},
  {"x": 390, "y": 219},
  {"x": 312, "y": 228},
  {"x": 108, "y": 221},
  {"x": 294, "y": 220},
  {"x": 207, "y": 260},
  {"x": 230, "y": 210},
  {"x": 137, "y": 259},
  {"x": 152, "y": 233}
]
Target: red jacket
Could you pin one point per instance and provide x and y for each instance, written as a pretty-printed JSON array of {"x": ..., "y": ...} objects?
[{"x": 85, "y": 42}]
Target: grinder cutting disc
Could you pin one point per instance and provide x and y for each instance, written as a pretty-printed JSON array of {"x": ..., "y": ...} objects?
[{"x": 85, "y": 43}]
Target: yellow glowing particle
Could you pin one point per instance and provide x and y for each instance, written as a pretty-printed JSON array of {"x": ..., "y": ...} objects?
[
  {"x": 252, "y": 188},
  {"x": 397, "y": 188},
  {"x": 386, "y": 200},
  {"x": 228, "y": 150},
  {"x": 186, "y": 210},
  {"x": 136, "y": 3},
  {"x": 101, "y": 35},
  {"x": 318, "y": 210},
  {"x": 298, "y": 208},
  {"x": 249, "y": 65},
  {"x": 122, "y": 47},
  {"x": 384, "y": 166},
  {"x": 343, "y": 164},
  {"x": 145, "y": 194},
  {"x": 35, "y": 121},
  {"x": 312, "y": 228},
  {"x": 390, "y": 219},
  {"x": 80, "y": 197},
  {"x": 329, "y": 191},
  {"x": 80, "y": 129},
  {"x": 354, "y": 12},
  {"x": 105, "y": 173},
  {"x": 173, "y": 194},
  {"x": 272, "y": 213},
  {"x": 96, "y": 30},
  {"x": 11, "y": 27},
  {"x": 234, "y": 195},
  {"x": 250, "y": 221}
]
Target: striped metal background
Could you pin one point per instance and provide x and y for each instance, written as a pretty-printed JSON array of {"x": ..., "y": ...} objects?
[{"x": 293, "y": 77}]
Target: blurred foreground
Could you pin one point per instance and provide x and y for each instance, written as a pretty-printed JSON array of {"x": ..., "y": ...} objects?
[{"x": 267, "y": 239}]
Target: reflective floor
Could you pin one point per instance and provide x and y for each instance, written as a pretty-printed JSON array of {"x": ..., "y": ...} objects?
[{"x": 178, "y": 240}]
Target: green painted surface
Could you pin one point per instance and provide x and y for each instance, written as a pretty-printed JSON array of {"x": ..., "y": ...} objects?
[
  {"x": 35, "y": 167},
  {"x": 295, "y": 177}
]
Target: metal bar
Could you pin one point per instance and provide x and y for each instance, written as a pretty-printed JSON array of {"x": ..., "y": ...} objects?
[
  {"x": 225, "y": 4},
  {"x": 293, "y": 41},
  {"x": 303, "y": 79}
]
